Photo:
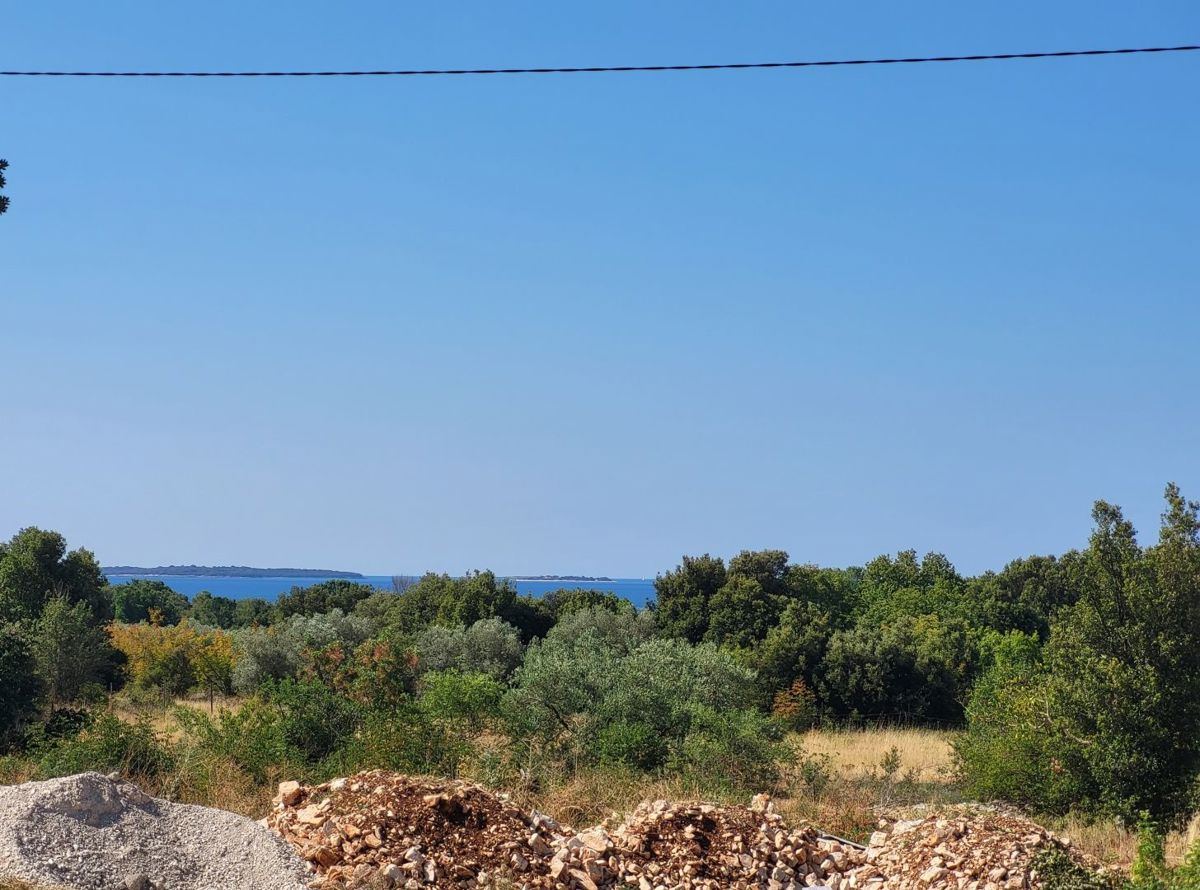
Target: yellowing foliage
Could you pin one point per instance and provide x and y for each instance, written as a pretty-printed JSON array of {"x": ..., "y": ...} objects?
[{"x": 175, "y": 658}]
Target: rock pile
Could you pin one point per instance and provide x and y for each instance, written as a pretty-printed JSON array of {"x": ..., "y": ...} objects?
[
  {"x": 93, "y": 831},
  {"x": 663, "y": 845},
  {"x": 972, "y": 849},
  {"x": 392, "y": 830},
  {"x": 381, "y": 829}
]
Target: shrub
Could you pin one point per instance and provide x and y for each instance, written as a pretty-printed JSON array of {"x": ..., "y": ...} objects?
[
  {"x": 313, "y": 719},
  {"x": 1006, "y": 753},
  {"x": 110, "y": 744},
  {"x": 1057, "y": 871},
  {"x": 795, "y": 707},
  {"x": 377, "y": 674},
  {"x": 263, "y": 654},
  {"x": 735, "y": 749},
  {"x": 489, "y": 646},
  {"x": 251, "y": 737},
  {"x": 588, "y": 697},
  {"x": 406, "y": 739},
  {"x": 175, "y": 658},
  {"x": 622, "y": 743},
  {"x": 70, "y": 650},
  {"x": 472, "y": 699}
]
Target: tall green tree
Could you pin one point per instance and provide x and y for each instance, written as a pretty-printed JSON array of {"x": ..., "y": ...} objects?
[
  {"x": 35, "y": 566},
  {"x": 1113, "y": 715},
  {"x": 1125, "y": 664},
  {"x": 682, "y": 596},
  {"x": 741, "y": 613},
  {"x": 70, "y": 650},
  {"x": 135, "y": 601}
]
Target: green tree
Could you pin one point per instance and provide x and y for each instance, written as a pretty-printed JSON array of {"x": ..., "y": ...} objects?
[
  {"x": 561, "y": 603},
  {"x": 769, "y": 568},
  {"x": 70, "y": 650},
  {"x": 1113, "y": 716},
  {"x": 35, "y": 566},
  {"x": 795, "y": 647},
  {"x": 1026, "y": 595},
  {"x": 682, "y": 596},
  {"x": 489, "y": 646},
  {"x": 621, "y": 631},
  {"x": 3, "y": 182},
  {"x": 213, "y": 611},
  {"x": 742, "y": 612},
  {"x": 252, "y": 612},
  {"x": 914, "y": 668},
  {"x": 134, "y": 601},
  {"x": 336, "y": 593},
  {"x": 1125, "y": 665},
  {"x": 908, "y": 586},
  {"x": 18, "y": 682}
]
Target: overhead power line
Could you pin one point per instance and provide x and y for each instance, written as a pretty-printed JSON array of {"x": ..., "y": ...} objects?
[{"x": 606, "y": 69}]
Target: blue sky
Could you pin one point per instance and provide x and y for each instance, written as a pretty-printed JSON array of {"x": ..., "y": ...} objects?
[{"x": 591, "y": 323}]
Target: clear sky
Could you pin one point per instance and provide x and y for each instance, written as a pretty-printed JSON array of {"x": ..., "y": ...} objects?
[{"x": 586, "y": 324}]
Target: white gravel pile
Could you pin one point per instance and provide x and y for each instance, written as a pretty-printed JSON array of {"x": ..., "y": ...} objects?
[{"x": 92, "y": 832}]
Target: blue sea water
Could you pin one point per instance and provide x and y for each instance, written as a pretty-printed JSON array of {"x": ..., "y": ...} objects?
[{"x": 637, "y": 590}]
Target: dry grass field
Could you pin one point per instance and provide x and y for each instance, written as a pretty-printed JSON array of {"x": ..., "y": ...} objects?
[{"x": 924, "y": 754}]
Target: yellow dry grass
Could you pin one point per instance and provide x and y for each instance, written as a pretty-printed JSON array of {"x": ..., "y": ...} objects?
[
  {"x": 162, "y": 718},
  {"x": 858, "y": 753},
  {"x": 1116, "y": 845}
]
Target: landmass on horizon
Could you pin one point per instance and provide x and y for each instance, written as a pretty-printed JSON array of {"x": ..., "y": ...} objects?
[
  {"x": 559, "y": 578},
  {"x": 228, "y": 572}
]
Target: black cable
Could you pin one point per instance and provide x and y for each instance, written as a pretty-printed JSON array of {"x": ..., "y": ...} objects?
[{"x": 609, "y": 68}]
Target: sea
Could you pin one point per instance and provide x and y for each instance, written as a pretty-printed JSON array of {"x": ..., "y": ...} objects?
[{"x": 638, "y": 591}]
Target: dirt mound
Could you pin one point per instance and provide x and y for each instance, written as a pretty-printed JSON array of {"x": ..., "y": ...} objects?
[
  {"x": 93, "y": 831},
  {"x": 380, "y": 829},
  {"x": 978, "y": 848}
]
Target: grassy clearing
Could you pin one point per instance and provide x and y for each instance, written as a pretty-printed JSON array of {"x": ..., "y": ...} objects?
[{"x": 924, "y": 754}]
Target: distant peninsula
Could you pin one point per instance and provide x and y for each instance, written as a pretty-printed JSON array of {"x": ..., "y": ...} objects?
[
  {"x": 227, "y": 572},
  {"x": 559, "y": 578}
]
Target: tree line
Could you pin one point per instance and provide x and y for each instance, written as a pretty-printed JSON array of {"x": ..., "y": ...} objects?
[{"x": 1075, "y": 679}]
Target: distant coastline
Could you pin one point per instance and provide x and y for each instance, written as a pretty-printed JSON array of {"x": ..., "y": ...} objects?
[
  {"x": 227, "y": 572},
  {"x": 560, "y": 578}
]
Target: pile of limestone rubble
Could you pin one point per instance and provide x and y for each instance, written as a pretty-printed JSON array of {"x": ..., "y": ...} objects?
[
  {"x": 380, "y": 829},
  {"x": 973, "y": 848}
]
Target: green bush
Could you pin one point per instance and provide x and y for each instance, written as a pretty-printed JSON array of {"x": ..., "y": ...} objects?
[
  {"x": 406, "y": 739},
  {"x": 489, "y": 646},
  {"x": 1057, "y": 871},
  {"x": 736, "y": 749},
  {"x": 110, "y": 744},
  {"x": 631, "y": 744},
  {"x": 472, "y": 699},
  {"x": 251, "y": 737},
  {"x": 314, "y": 721}
]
